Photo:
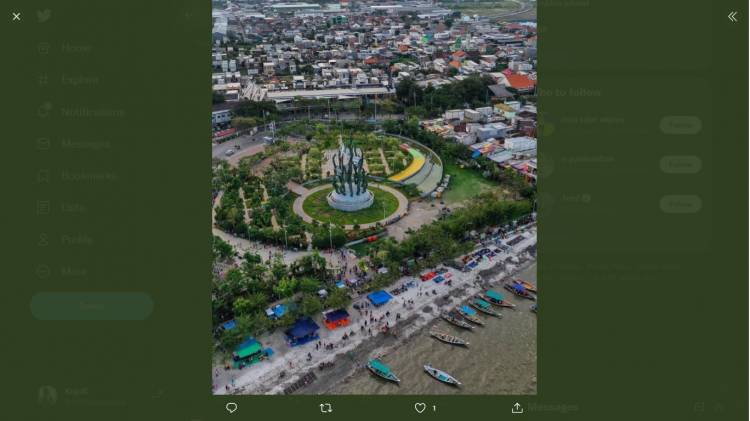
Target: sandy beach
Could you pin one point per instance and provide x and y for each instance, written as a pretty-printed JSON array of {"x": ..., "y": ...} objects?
[{"x": 288, "y": 365}]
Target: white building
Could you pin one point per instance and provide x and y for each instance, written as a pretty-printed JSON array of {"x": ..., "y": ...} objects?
[
  {"x": 520, "y": 144},
  {"x": 453, "y": 115},
  {"x": 472, "y": 115}
]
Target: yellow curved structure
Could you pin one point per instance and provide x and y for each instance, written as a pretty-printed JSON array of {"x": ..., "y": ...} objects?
[{"x": 416, "y": 164}]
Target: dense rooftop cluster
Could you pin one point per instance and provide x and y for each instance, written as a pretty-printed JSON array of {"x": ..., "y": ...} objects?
[{"x": 278, "y": 52}]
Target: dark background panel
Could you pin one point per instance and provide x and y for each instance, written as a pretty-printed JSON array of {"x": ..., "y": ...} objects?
[{"x": 643, "y": 312}]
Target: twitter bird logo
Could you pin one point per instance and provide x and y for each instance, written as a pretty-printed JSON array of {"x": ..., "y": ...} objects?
[{"x": 43, "y": 15}]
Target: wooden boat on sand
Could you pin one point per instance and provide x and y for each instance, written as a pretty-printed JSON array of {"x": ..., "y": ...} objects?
[
  {"x": 449, "y": 339},
  {"x": 456, "y": 320}
]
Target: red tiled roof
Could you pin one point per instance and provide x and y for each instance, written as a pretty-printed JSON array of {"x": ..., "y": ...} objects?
[{"x": 520, "y": 81}]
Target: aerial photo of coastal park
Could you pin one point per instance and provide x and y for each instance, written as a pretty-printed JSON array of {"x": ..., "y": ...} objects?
[{"x": 373, "y": 198}]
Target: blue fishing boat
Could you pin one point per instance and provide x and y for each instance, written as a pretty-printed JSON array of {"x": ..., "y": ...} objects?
[
  {"x": 497, "y": 299},
  {"x": 526, "y": 284},
  {"x": 381, "y": 370},
  {"x": 441, "y": 375},
  {"x": 469, "y": 314},
  {"x": 520, "y": 290},
  {"x": 484, "y": 307}
]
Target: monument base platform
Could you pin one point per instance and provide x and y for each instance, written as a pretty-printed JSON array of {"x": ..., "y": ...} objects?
[{"x": 350, "y": 203}]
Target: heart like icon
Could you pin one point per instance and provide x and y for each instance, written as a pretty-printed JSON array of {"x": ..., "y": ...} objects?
[{"x": 420, "y": 407}]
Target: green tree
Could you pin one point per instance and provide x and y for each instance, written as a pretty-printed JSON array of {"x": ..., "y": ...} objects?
[
  {"x": 338, "y": 298},
  {"x": 242, "y": 306},
  {"x": 309, "y": 285},
  {"x": 233, "y": 282},
  {"x": 408, "y": 92},
  {"x": 244, "y": 122},
  {"x": 278, "y": 268},
  {"x": 222, "y": 249},
  {"x": 310, "y": 305},
  {"x": 251, "y": 304},
  {"x": 251, "y": 258},
  {"x": 256, "y": 109},
  {"x": 286, "y": 287}
]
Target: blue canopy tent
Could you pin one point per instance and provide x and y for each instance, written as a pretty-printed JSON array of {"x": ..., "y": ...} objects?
[
  {"x": 250, "y": 352},
  {"x": 336, "y": 318},
  {"x": 302, "y": 331},
  {"x": 276, "y": 311},
  {"x": 336, "y": 315},
  {"x": 229, "y": 325},
  {"x": 251, "y": 347},
  {"x": 378, "y": 298}
]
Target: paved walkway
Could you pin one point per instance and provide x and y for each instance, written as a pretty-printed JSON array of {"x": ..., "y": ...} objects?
[
  {"x": 245, "y": 210},
  {"x": 402, "y": 210},
  {"x": 297, "y": 188},
  {"x": 421, "y": 212},
  {"x": 267, "y": 251},
  {"x": 327, "y": 164},
  {"x": 385, "y": 162},
  {"x": 217, "y": 202}
]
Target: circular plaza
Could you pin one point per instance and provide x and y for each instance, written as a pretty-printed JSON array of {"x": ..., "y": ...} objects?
[{"x": 387, "y": 204}]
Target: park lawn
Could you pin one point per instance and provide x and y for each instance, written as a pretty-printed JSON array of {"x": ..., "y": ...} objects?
[
  {"x": 465, "y": 184},
  {"x": 364, "y": 247},
  {"x": 317, "y": 207}
]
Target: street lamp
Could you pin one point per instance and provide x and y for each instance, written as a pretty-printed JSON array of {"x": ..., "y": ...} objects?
[{"x": 286, "y": 242}]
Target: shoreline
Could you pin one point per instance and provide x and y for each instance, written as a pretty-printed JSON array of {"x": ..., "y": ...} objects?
[
  {"x": 348, "y": 356},
  {"x": 370, "y": 347}
]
